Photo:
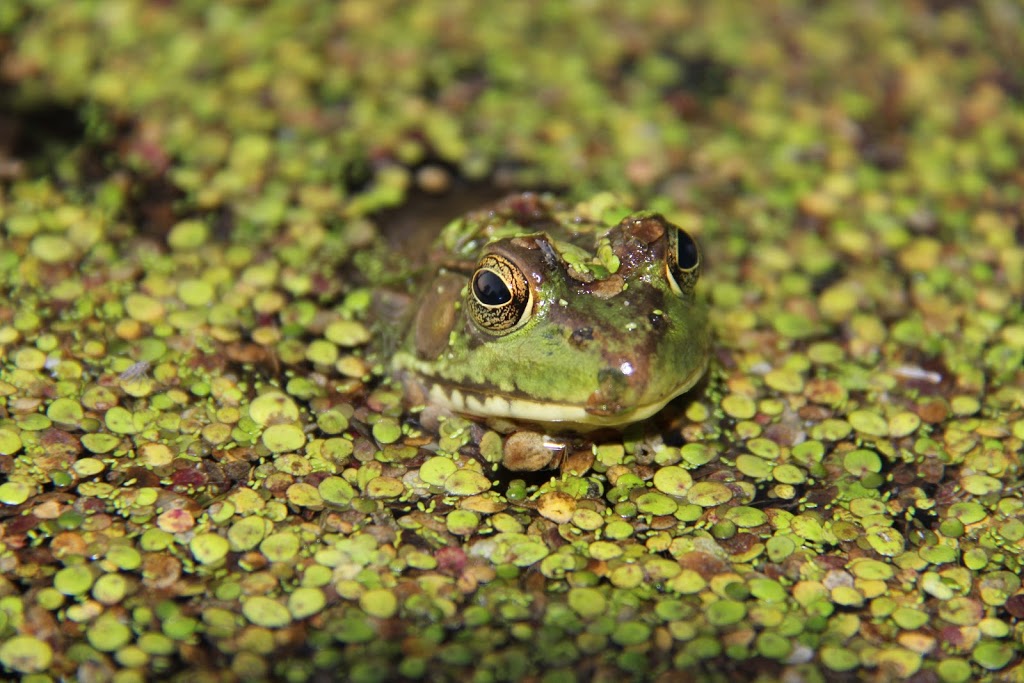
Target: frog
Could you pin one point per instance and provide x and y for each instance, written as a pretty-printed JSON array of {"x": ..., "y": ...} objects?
[{"x": 562, "y": 317}]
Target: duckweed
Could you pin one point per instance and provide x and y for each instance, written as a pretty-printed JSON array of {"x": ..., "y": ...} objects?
[
  {"x": 466, "y": 483},
  {"x": 266, "y": 612},
  {"x": 207, "y": 469},
  {"x": 462, "y": 522},
  {"x": 436, "y": 470},
  {"x": 380, "y": 603},
  {"x": 15, "y": 492},
  {"x": 108, "y": 634},
  {"x": 282, "y": 438},
  {"x": 209, "y": 548}
]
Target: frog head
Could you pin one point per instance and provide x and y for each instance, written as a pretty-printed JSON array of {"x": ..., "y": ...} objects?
[{"x": 578, "y": 326}]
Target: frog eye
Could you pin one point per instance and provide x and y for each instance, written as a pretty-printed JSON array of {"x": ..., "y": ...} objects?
[
  {"x": 500, "y": 298},
  {"x": 682, "y": 262}
]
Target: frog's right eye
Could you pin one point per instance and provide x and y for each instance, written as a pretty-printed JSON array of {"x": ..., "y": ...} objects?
[
  {"x": 500, "y": 297},
  {"x": 683, "y": 262}
]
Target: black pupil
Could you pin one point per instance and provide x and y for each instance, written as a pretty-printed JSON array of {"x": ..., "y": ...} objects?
[
  {"x": 686, "y": 251},
  {"x": 490, "y": 290}
]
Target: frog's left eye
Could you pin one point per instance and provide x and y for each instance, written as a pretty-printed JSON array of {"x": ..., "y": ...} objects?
[
  {"x": 500, "y": 298},
  {"x": 682, "y": 262}
]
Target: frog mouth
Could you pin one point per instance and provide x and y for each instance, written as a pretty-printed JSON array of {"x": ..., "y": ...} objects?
[{"x": 574, "y": 416}]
